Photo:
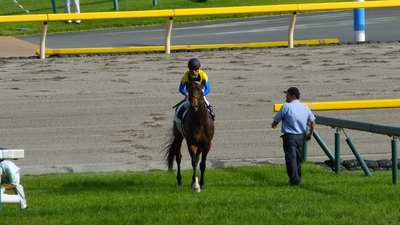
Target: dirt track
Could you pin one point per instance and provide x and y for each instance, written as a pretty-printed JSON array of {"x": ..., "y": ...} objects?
[{"x": 114, "y": 112}]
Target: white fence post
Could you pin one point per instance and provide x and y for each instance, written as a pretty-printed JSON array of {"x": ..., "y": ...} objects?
[
  {"x": 43, "y": 41},
  {"x": 168, "y": 32},
  {"x": 291, "y": 29}
]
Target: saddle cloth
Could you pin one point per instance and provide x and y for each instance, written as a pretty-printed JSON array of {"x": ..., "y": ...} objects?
[{"x": 180, "y": 113}]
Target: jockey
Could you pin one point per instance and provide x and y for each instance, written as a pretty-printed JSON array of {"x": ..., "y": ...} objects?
[{"x": 195, "y": 72}]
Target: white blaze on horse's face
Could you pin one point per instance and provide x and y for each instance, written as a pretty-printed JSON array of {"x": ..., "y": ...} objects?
[
  {"x": 195, "y": 103},
  {"x": 196, "y": 96}
]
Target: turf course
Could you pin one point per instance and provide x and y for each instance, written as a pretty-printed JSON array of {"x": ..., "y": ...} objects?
[
  {"x": 240, "y": 195},
  {"x": 235, "y": 195}
]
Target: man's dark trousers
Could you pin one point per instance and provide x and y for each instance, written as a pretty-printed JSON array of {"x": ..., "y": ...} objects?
[{"x": 292, "y": 144}]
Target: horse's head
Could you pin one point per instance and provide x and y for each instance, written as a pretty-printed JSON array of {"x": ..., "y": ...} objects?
[{"x": 195, "y": 94}]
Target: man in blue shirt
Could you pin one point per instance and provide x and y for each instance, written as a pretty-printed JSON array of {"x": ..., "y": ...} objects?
[{"x": 295, "y": 117}]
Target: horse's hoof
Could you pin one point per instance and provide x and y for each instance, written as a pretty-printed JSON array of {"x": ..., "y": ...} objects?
[
  {"x": 197, "y": 190},
  {"x": 196, "y": 186}
]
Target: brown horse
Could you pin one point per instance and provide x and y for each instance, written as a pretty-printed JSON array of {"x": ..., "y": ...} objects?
[{"x": 198, "y": 131}]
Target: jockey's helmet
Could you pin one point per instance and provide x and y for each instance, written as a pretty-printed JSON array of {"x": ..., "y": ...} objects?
[{"x": 194, "y": 64}]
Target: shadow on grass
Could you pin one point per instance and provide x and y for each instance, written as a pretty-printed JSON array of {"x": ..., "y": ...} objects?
[
  {"x": 252, "y": 177},
  {"x": 277, "y": 178},
  {"x": 268, "y": 177},
  {"x": 108, "y": 183}
]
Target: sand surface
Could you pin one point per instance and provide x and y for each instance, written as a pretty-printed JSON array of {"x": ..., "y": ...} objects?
[{"x": 108, "y": 113}]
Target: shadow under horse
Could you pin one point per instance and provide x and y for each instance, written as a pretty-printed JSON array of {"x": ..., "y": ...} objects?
[{"x": 198, "y": 130}]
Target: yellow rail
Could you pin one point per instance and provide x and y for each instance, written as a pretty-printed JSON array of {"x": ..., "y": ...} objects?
[
  {"x": 75, "y": 51},
  {"x": 236, "y": 10},
  {"x": 200, "y": 11},
  {"x": 170, "y": 13},
  {"x": 111, "y": 15},
  {"x": 349, "y": 105},
  {"x": 24, "y": 18},
  {"x": 347, "y": 5}
]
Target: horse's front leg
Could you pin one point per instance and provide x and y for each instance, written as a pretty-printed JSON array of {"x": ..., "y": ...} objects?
[
  {"x": 195, "y": 180},
  {"x": 195, "y": 161},
  {"x": 203, "y": 166},
  {"x": 202, "y": 169}
]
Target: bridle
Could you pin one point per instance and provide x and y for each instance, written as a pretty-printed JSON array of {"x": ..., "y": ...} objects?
[{"x": 200, "y": 100}]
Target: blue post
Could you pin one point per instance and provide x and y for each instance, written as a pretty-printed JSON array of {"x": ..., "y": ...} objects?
[
  {"x": 116, "y": 5},
  {"x": 54, "y": 3},
  {"x": 154, "y": 2},
  {"x": 359, "y": 23}
]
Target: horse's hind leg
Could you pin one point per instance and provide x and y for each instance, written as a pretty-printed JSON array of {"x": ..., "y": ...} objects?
[
  {"x": 178, "y": 159},
  {"x": 178, "y": 138}
]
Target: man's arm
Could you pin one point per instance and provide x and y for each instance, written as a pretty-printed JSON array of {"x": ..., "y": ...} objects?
[{"x": 311, "y": 131}]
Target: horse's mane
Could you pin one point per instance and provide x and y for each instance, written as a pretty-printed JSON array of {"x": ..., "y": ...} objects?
[{"x": 194, "y": 81}]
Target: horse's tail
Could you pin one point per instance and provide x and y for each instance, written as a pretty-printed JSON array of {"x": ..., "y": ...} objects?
[{"x": 170, "y": 153}]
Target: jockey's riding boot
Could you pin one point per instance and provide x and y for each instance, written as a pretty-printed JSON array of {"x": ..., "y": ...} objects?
[{"x": 210, "y": 109}]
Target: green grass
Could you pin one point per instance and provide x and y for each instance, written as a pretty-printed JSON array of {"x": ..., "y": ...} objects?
[
  {"x": 9, "y": 7},
  {"x": 242, "y": 195}
]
